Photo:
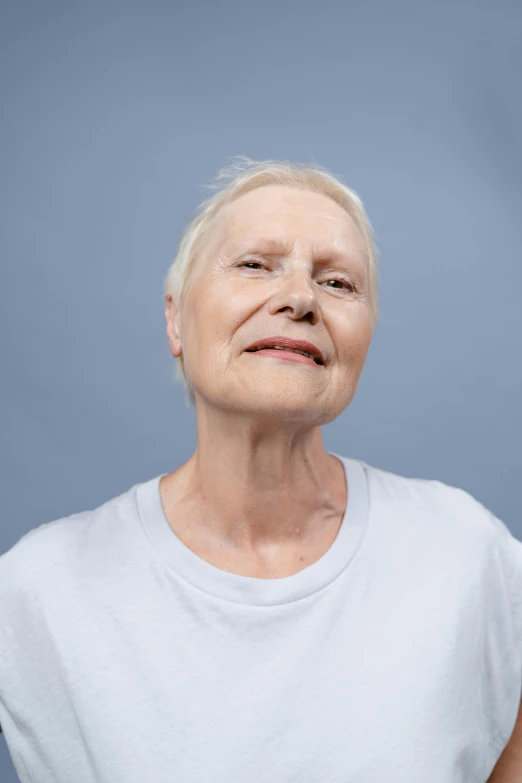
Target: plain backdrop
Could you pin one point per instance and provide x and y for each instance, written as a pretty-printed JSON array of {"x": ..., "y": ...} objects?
[{"x": 115, "y": 114}]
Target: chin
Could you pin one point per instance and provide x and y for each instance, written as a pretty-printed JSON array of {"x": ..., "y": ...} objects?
[
  {"x": 297, "y": 406},
  {"x": 273, "y": 397}
]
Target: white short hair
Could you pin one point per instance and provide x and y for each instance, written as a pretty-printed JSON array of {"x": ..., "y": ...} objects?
[{"x": 239, "y": 176}]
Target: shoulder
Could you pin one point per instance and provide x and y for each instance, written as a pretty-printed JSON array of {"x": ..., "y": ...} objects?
[
  {"x": 442, "y": 515},
  {"x": 432, "y": 496},
  {"x": 58, "y": 547},
  {"x": 445, "y": 531}
]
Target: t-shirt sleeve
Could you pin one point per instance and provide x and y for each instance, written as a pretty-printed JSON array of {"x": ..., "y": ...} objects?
[
  {"x": 512, "y": 556},
  {"x": 500, "y": 620},
  {"x": 504, "y": 633},
  {"x": 508, "y": 568}
]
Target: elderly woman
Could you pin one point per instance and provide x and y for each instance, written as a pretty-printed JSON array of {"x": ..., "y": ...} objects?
[{"x": 268, "y": 611}]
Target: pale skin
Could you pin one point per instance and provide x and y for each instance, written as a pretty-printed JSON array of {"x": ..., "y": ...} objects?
[{"x": 260, "y": 496}]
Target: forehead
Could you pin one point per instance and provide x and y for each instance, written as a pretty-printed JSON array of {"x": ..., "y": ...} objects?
[{"x": 289, "y": 214}]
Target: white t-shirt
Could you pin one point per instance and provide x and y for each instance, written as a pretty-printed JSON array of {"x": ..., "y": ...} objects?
[{"x": 397, "y": 656}]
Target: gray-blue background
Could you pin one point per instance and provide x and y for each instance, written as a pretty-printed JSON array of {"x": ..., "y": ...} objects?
[{"x": 114, "y": 114}]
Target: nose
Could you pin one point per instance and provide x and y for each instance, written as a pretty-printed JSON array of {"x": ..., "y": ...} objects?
[{"x": 296, "y": 297}]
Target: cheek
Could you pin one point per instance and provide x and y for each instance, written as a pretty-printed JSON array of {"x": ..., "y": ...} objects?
[
  {"x": 211, "y": 319},
  {"x": 355, "y": 340}
]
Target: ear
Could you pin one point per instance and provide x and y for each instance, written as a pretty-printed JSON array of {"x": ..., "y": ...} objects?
[{"x": 172, "y": 316}]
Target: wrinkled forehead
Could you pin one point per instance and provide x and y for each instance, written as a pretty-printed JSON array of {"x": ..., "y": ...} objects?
[{"x": 275, "y": 219}]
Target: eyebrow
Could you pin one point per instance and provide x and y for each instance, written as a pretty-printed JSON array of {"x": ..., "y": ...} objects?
[
  {"x": 279, "y": 246},
  {"x": 268, "y": 245}
]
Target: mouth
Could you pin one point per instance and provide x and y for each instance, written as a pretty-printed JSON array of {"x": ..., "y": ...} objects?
[{"x": 287, "y": 348}]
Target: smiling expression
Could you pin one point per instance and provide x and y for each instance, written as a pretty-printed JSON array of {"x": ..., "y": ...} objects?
[{"x": 279, "y": 261}]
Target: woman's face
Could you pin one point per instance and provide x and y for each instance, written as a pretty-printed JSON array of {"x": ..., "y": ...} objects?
[{"x": 279, "y": 261}]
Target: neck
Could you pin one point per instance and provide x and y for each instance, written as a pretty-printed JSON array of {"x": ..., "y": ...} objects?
[{"x": 251, "y": 485}]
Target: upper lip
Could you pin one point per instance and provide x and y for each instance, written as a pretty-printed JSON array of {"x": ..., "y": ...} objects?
[{"x": 287, "y": 342}]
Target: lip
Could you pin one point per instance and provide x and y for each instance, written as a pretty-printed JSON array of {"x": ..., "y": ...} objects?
[{"x": 288, "y": 342}]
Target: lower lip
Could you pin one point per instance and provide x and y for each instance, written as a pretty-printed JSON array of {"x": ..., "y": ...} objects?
[{"x": 288, "y": 355}]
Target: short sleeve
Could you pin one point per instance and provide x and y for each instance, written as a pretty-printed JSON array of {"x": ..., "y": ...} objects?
[
  {"x": 512, "y": 557},
  {"x": 503, "y": 616}
]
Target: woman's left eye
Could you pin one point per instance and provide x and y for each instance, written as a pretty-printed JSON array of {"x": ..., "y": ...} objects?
[
  {"x": 343, "y": 282},
  {"x": 255, "y": 263}
]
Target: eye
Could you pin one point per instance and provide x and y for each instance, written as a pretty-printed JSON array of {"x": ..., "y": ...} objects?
[
  {"x": 349, "y": 285},
  {"x": 251, "y": 263}
]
